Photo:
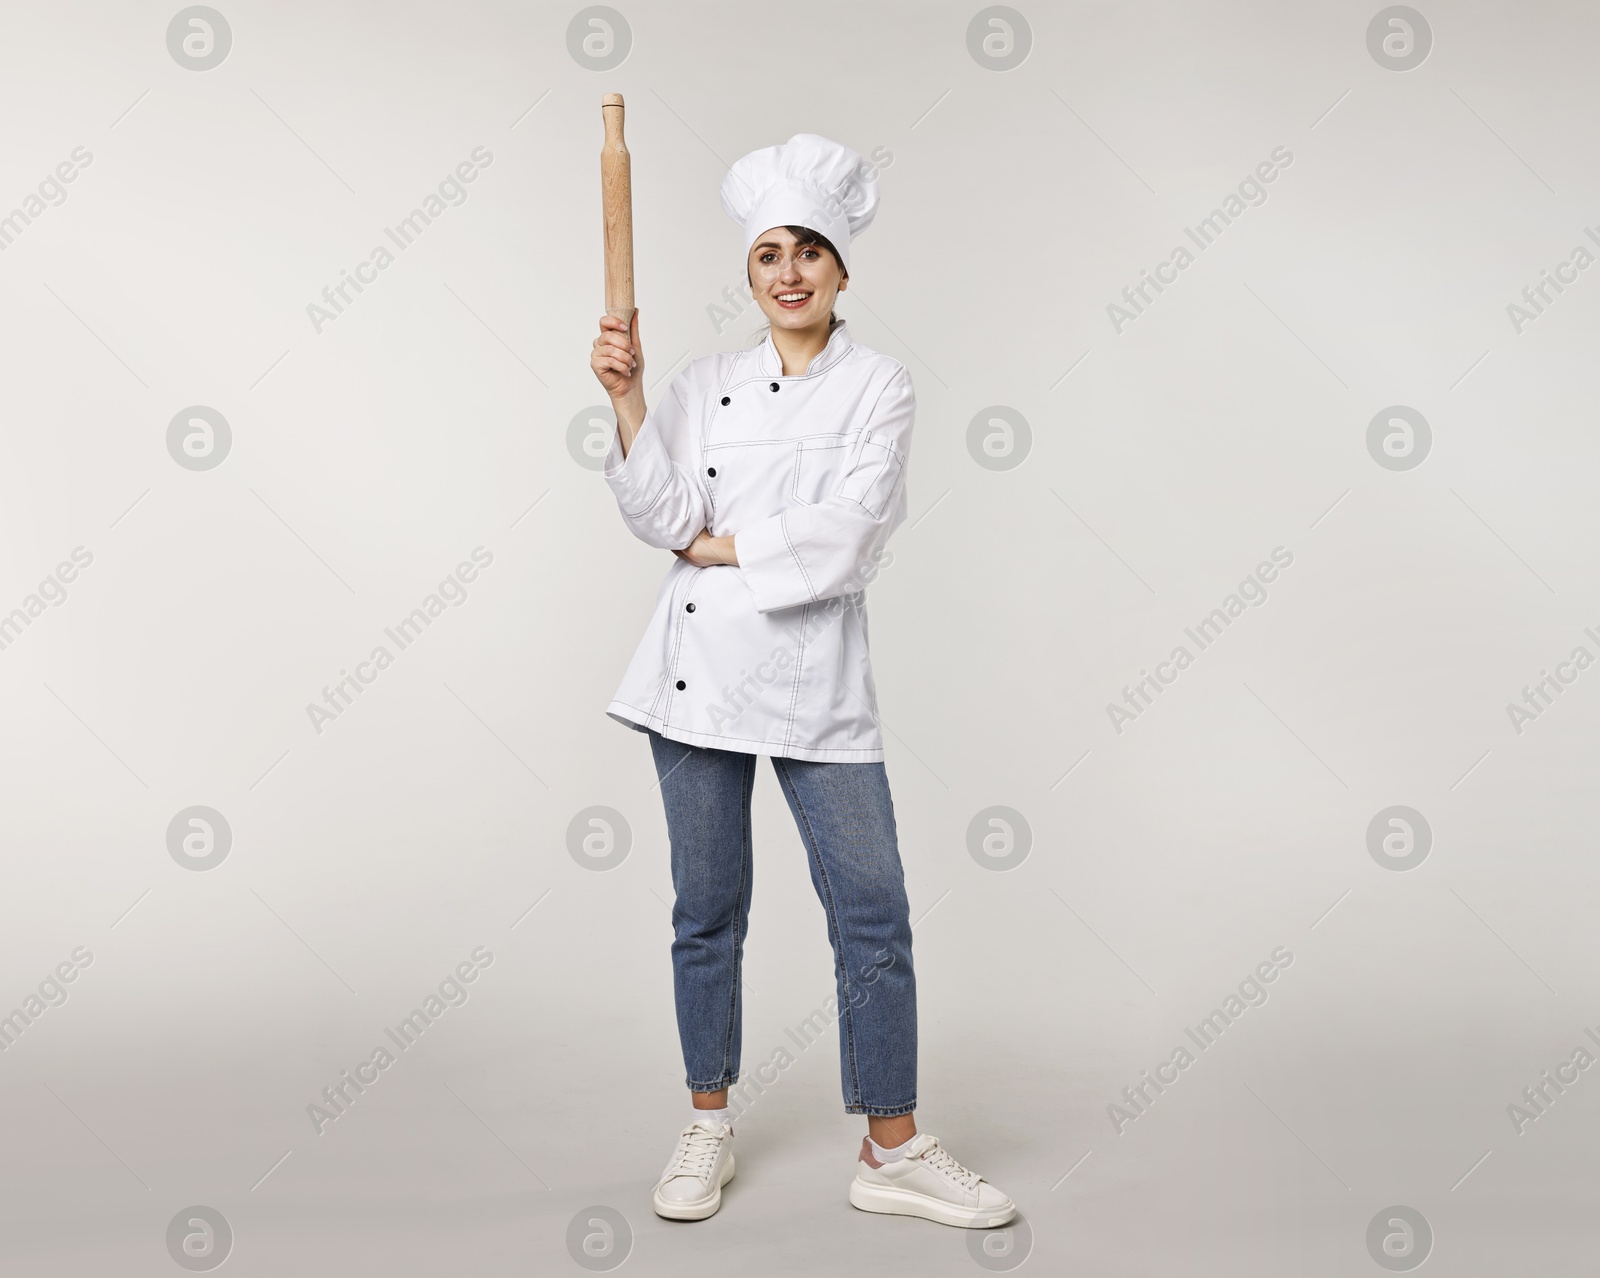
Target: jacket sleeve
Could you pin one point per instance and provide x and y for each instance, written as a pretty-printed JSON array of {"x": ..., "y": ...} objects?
[
  {"x": 656, "y": 491},
  {"x": 810, "y": 553}
]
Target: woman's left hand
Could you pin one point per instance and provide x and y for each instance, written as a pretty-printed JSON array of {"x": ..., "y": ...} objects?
[{"x": 705, "y": 551}]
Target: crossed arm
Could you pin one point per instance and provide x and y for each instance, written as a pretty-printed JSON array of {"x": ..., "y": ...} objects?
[
  {"x": 704, "y": 551},
  {"x": 802, "y": 555}
]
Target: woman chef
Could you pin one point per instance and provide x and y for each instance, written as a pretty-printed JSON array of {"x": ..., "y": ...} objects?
[{"x": 775, "y": 475}]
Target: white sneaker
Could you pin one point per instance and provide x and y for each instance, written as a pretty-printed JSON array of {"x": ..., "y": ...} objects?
[
  {"x": 691, "y": 1186},
  {"x": 929, "y": 1183}
]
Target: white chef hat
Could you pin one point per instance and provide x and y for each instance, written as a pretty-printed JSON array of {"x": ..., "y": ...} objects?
[{"x": 808, "y": 181}]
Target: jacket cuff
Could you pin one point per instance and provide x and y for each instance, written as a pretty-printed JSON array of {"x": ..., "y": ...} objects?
[
  {"x": 638, "y": 479},
  {"x": 771, "y": 568}
]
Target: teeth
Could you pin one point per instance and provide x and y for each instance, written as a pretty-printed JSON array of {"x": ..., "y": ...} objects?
[{"x": 792, "y": 297}]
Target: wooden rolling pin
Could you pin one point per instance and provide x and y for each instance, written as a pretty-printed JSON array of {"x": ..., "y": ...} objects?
[{"x": 616, "y": 197}]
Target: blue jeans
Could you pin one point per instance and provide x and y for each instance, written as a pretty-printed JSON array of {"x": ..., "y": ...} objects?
[{"x": 846, "y": 821}]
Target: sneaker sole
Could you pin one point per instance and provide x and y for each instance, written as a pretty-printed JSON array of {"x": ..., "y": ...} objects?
[
  {"x": 902, "y": 1202},
  {"x": 697, "y": 1209}
]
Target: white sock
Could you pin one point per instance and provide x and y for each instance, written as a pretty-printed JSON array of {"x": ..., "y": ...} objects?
[
  {"x": 723, "y": 1115},
  {"x": 891, "y": 1155}
]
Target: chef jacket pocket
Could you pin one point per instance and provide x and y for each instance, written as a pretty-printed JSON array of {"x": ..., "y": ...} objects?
[{"x": 818, "y": 468}]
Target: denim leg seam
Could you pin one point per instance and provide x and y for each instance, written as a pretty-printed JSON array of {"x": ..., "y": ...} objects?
[
  {"x": 833, "y": 928},
  {"x": 738, "y": 919}
]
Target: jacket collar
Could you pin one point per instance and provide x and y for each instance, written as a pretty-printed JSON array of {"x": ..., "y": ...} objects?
[{"x": 771, "y": 363}]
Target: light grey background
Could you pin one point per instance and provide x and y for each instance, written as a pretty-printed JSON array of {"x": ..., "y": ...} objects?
[{"x": 1166, "y": 461}]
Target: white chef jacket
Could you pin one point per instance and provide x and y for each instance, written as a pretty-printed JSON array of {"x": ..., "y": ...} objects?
[{"x": 808, "y": 474}]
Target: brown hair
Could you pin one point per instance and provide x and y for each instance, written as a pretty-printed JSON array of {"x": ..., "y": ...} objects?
[{"x": 804, "y": 235}]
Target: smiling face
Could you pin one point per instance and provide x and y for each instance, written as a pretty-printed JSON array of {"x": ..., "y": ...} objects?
[{"x": 794, "y": 283}]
